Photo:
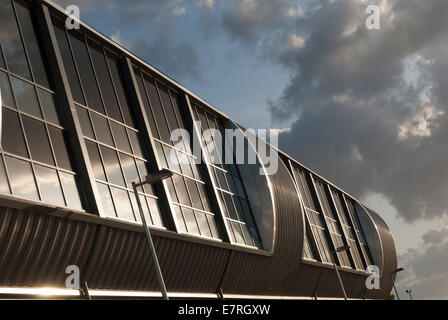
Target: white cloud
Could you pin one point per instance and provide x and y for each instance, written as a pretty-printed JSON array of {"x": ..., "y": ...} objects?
[
  {"x": 420, "y": 124},
  {"x": 179, "y": 11},
  {"x": 206, "y": 3}
]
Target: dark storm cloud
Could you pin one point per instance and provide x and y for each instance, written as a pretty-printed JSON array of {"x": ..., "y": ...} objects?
[
  {"x": 370, "y": 105},
  {"x": 150, "y": 29}
]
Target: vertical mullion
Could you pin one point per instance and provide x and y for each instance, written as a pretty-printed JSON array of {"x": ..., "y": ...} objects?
[
  {"x": 149, "y": 147},
  {"x": 306, "y": 220},
  {"x": 344, "y": 234},
  {"x": 215, "y": 202},
  {"x": 77, "y": 143},
  {"x": 324, "y": 221}
]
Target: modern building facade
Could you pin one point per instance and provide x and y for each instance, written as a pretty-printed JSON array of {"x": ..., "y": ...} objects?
[{"x": 82, "y": 118}]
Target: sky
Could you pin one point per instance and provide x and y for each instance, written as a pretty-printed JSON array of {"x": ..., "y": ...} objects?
[{"x": 367, "y": 109}]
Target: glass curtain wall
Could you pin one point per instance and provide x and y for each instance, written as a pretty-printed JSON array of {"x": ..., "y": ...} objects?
[
  {"x": 229, "y": 183},
  {"x": 106, "y": 118},
  {"x": 187, "y": 187},
  {"x": 34, "y": 156}
]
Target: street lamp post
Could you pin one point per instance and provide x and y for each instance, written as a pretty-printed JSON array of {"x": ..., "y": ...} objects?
[
  {"x": 340, "y": 249},
  {"x": 152, "y": 179},
  {"x": 393, "y": 282},
  {"x": 409, "y": 291}
]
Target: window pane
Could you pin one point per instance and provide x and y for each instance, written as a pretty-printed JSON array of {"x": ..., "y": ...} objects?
[
  {"x": 32, "y": 45},
  {"x": 180, "y": 219},
  {"x": 148, "y": 109},
  {"x": 157, "y": 110},
  {"x": 22, "y": 181},
  {"x": 166, "y": 102},
  {"x": 71, "y": 191},
  {"x": 129, "y": 168},
  {"x": 204, "y": 197},
  {"x": 123, "y": 204},
  {"x": 86, "y": 73},
  {"x": 105, "y": 83},
  {"x": 213, "y": 226},
  {"x": 12, "y": 136},
  {"x": 203, "y": 224},
  {"x": 190, "y": 220},
  {"x": 49, "y": 186},
  {"x": 120, "y": 136},
  {"x": 106, "y": 200},
  {"x": 48, "y": 104},
  {"x": 11, "y": 41},
  {"x": 116, "y": 76},
  {"x": 4, "y": 188},
  {"x": 238, "y": 233},
  {"x": 194, "y": 193},
  {"x": 60, "y": 149},
  {"x": 95, "y": 160},
  {"x": 102, "y": 129},
  {"x": 26, "y": 97},
  {"x": 69, "y": 65},
  {"x": 135, "y": 143},
  {"x": 38, "y": 140},
  {"x": 5, "y": 87},
  {"x": 155, "y": 212},
  {"x": 230, "y": 206},
  {"x": 181, "y": 190},
  {"x": 84, "y": 119},
  {"x": 2, "y": 62},
  {"x": 112, "y": 166}
]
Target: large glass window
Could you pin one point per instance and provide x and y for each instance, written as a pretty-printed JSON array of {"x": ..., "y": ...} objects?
[
  {"x": 332, "y": 221},
  {"x": 347, "y": 226},
  {"x": 229, "y": 183},
  {"x": 359, "y": 232},
  {"x": 112, "y": 140},
  {"x": 187, "y": 187},
  {"x": 34, "y": 157},
  {"x": 317, "y": 233}
]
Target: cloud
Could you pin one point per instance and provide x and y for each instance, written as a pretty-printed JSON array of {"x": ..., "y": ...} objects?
[
  {"x": 426, "y": 267},
  {"x": 150, "y": 29},
  {"x": 369, "y": 105}
]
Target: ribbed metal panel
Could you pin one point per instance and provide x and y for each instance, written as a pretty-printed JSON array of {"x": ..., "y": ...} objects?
[
  {"x": 124, "y": 262},
  {"x": 35, "y": 249},
  {"x": 390, "y": 260}
]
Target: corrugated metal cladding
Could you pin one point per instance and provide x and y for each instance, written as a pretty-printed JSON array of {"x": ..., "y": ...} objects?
[{"x": 389, "y": 258}]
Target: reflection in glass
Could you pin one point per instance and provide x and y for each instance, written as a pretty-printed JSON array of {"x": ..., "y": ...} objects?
[
  {"x": 26, "y": 97},
  {"x": 190, "y": 221},
  {"x": 203, "y": 224},
  {"x": 48, "y": 104},
  {"x": 106, "y": 200},
  {"x": 50, "y": 189},
  {"x": 105, "y": 82},
  {"x": 112, "y": 166},
  {"x": 156, "y": 215},
  {"x": 60, "y": 149},
  {"x": 129, "y": 169},
  {"x": 71, "y": 191},
  {"x": 38, "y": 140},
  {"x": 135, "y": 143},
  {"x": 102, "y": 129},
  {"x": 2, "y": 61},
  {"x": 32, "y": 46},
  {"x": 5, "y": 87},
  {"x": 123, "y": 204},
  {"x": 120, "y": 136},
  {"x": 119, "y": 87},
  {"x": 69, "y": 65},
  {"x": 86, "y": 126},
  {"x": 4, "y": 188},
  {"x": 86, "y": 73},
  {"x": 12, "y": 136},
  {"x": 11, "y": 41},
  {"x": 22, "y": 181},
  {"x": 95, "y": 160}
]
